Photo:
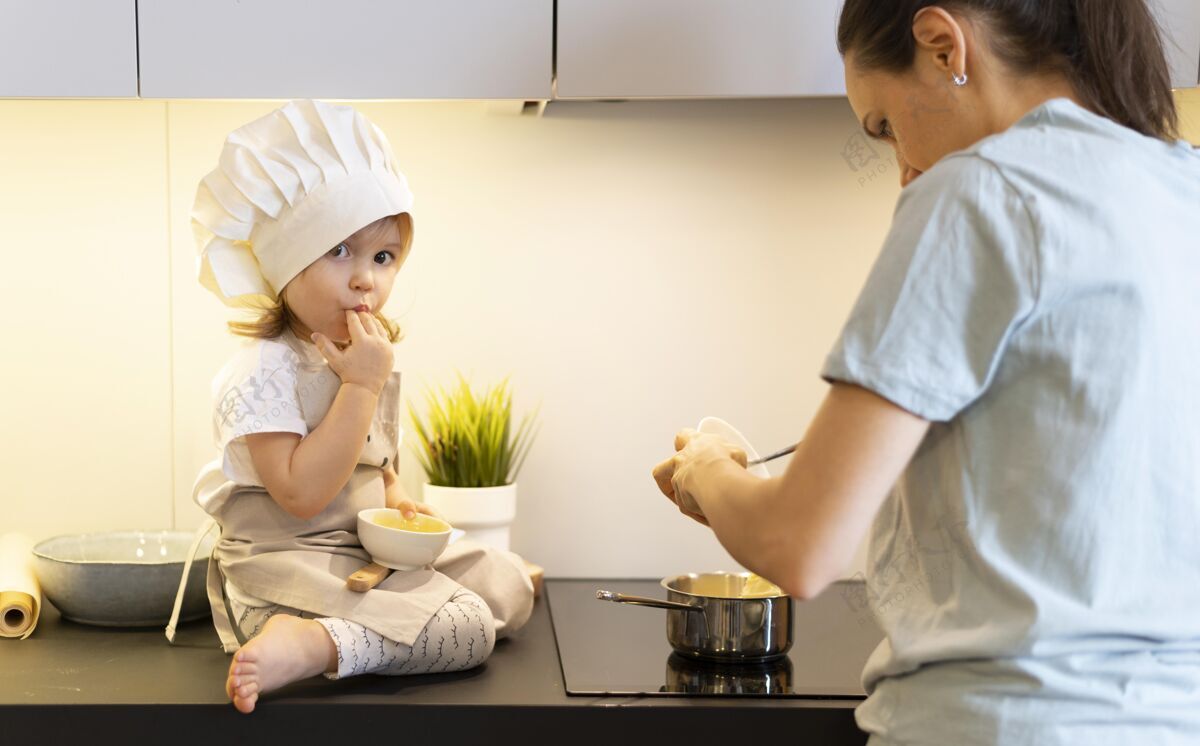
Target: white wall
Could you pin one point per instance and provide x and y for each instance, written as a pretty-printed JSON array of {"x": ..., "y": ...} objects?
[
  {"x": 86, "y": 374},
  {"x": 634, "y": 266}
]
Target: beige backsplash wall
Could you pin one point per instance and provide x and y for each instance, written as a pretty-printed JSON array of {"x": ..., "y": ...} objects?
[{"x": 634, "y": 266}]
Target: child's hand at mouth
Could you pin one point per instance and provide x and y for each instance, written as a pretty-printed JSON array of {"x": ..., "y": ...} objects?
[{"x": 368, "y": 360}]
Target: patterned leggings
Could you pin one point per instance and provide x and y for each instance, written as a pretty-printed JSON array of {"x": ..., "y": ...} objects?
[{"x": 460, "y": 635}]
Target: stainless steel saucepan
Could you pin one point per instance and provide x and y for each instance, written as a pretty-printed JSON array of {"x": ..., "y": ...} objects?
[{"x": 722, "y": 616}]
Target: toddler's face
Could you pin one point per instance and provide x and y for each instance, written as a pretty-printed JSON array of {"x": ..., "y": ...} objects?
[{"x": 358, "y": 271}]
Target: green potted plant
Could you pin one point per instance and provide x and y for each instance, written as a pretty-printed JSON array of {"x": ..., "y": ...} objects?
[{"x": 471, "y": 455}]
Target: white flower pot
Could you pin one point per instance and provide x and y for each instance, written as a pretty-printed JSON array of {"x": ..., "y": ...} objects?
[{"x": 484, "y": 513}]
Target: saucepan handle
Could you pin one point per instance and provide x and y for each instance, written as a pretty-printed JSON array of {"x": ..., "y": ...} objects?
[{"x": 621, "y": 598}]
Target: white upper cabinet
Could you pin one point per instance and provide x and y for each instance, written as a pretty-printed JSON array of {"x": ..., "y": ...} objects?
[
  {"x": 1180, "y": 22},
  {"x": 355, "y": 49},
  {"x": 447, "y": 49},
  {"x": 68, "y": 49},
  {"x": 698, "y": 48}
]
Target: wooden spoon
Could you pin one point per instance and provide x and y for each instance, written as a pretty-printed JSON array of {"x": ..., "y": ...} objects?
[{"x": 366, "y": 578}]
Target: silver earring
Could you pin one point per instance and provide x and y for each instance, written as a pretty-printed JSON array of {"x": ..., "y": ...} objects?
[{"x": 960, "y": 81}]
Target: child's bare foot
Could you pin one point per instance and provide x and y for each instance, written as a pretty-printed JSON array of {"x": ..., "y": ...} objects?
[{"x": 288, "y": 649}]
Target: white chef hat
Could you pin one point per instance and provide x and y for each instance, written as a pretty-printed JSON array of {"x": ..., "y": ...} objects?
[{"x": 288, "y": 188}]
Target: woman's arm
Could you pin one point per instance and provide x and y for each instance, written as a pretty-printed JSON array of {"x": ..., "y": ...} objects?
[{"x": 799, "y": 530}]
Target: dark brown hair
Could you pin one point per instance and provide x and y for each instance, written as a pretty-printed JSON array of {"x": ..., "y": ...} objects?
[
  {"x": 273, "y": 317},
  {"x": 1110, "y": 50}
]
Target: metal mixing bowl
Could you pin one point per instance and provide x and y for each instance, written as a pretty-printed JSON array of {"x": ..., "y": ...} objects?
[{"x": 122, "y": 578}]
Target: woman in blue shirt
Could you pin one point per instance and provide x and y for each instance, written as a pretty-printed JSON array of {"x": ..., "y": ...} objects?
[{"x": 1014, "y": 411}]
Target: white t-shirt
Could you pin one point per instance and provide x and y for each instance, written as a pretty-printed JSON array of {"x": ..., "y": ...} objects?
[{"x": 255, "y": 392}]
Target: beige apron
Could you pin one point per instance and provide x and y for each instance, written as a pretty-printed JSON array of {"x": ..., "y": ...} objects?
[{"x": 265, "y": 551}]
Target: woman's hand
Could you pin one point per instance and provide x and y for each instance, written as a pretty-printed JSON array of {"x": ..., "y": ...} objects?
[
  {"x": 799, "y": 529},
  {"x": 698, "y": 456},
  {"x": 367, "y": 360}
]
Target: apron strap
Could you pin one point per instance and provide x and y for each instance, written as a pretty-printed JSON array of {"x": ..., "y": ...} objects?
[
  {"x": 234, "y": 626},
  {"x": 187, "y": 567}
]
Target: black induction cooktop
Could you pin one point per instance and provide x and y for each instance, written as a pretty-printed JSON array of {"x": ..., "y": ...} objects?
[{"x": 618, "y": 649}]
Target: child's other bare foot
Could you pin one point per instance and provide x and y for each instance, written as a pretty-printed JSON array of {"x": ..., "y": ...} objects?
[{"x": 288, "y": 649}]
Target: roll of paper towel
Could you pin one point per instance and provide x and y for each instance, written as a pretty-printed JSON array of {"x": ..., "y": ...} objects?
[{"x": 20, "y": 595}]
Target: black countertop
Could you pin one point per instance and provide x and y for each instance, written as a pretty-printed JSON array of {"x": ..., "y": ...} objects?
[{"x": 70, "y": 680}]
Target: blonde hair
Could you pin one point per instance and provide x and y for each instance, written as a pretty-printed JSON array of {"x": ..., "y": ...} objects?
[{"x": 273, "y": 317}]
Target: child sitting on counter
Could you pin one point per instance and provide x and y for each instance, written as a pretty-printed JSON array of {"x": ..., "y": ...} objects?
[{"x": 306, "y": 221}]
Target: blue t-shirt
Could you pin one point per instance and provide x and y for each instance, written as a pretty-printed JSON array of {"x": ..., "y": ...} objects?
[{"x": 1036, "y": 571}]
